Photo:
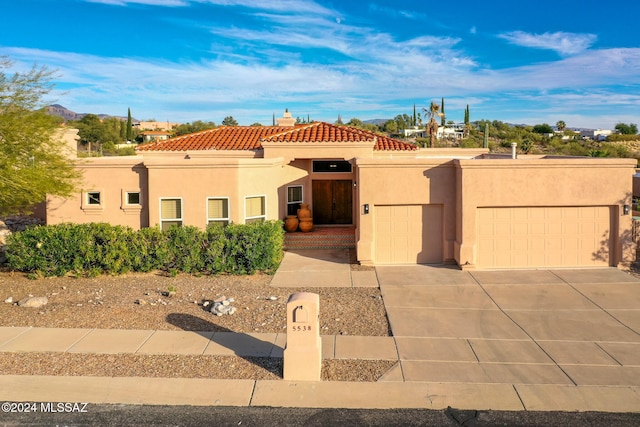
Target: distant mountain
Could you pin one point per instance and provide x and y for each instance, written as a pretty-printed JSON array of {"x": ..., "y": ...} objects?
[
  {"x": 377, "y": 122},
  {"x": 66, "y": 114}
]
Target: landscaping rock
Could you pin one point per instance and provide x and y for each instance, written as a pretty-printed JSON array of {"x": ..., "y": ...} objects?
[
  {"x": 221, "y": 306},
  {"x": 33, "y": 302}
]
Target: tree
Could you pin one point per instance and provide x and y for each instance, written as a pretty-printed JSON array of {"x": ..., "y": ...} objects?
[
  {"x": 442, "y": 119},
  {"x": 229, "y": 121},
  {"x": 129, "y": 134},
  {"x": 357, "y": 123},
  {"x": 627, "y": 129},
  {"x": 542, "y": 128},
  {"x": 196, "y": 126},
  {"x": 33, "y": 163},
  {"x": 339, "y": 121},
  {"x": 415, "y": 118},
  {"x": 391, "y": 126},
  {"x": 432, "y": 125},
  {"x": 561, "y": 125}
]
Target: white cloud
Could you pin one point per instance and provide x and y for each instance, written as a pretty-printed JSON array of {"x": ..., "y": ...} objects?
[
  {"x": 561, "y": 42},
  {"x": 289, "y": 6},
  {"x": 394, "y": 12}
]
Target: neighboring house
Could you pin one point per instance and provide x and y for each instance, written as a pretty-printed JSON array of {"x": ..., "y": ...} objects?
[
  {"x": 415, "y": 131},
  {"x": 407, "y": 205},
  {"x": 161, "y": 126},
  {"x": 451, "y": 132},
  {"x": 595, "y": 134},
  {"x": 152, "y": 136}
]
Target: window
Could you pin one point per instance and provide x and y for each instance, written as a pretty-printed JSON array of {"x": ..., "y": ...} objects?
[
  {"x": 294, "y": 198},
  {"x": 170, "y": 213},
  {"x": 254, "y": 209},
  {"x": 331, "y": 166},
  {"x": 131, "y": 201},
  {"x": 218, "y": 210},
  {"x": 133, "y": 198},
  {"x": 93, "y": 198},
  {"x": 93, "y": 201}
]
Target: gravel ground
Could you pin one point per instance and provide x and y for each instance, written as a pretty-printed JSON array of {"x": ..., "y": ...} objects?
[{"x": 136, "y": 301}]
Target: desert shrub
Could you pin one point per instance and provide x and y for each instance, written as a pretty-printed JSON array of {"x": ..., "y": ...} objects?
[{"x": 622, "y": 137}]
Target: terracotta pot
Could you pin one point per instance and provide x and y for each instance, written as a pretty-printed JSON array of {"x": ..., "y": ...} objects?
[
  {"x": 291, "y": 223},
  {"x": 304, "y": 211},
  {"x": 306, "y": 225}
]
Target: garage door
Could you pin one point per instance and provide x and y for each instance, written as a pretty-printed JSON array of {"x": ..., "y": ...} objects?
[
  {"x": 543, "y": 237},
  {"x": 408, "y": 234}
]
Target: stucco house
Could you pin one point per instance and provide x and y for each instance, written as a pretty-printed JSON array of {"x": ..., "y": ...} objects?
[{"x": 405, "y": 205}]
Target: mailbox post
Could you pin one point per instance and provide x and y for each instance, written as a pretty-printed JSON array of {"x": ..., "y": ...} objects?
[{"x": 303, "y": 351}]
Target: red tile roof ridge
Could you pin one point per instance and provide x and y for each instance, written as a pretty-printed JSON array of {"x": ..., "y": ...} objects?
[
  {"x": 251, "y": 138},
  {"x": 289, "y": 130}
]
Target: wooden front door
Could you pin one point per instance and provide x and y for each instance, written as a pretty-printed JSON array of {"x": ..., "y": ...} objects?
[{"x": 332, "y": 202}]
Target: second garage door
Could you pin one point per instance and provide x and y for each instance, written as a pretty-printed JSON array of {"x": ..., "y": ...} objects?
[
  {"x": 408, "y": 234},
  {"x": 528, "y": 237}
]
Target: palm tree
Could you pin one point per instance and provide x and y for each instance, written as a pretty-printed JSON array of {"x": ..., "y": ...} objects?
[
  {"x": 561, "y": 125},
  {"x": 432, "y": 125}
]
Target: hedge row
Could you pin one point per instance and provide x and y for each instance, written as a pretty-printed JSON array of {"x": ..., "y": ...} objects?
[{"x": 97, "y": 248}]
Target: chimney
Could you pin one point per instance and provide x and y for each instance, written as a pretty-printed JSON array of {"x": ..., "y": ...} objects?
[{"x": 286, "y": 120}]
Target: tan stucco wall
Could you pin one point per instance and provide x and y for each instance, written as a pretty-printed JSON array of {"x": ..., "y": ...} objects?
[
  {"x": 404, "y": 181},
  {"x": 111, "y": 176},
  {"x": 543, "y": 182},
  {"x": 461, "y": 186},
  {"x": 196, "y": 179},
  {"x": 322, "y": 150}
]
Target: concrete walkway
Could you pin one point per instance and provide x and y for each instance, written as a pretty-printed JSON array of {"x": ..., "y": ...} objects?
[{"x": 543, "y": 340}]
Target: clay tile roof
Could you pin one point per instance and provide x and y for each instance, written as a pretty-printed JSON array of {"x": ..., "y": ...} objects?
[{"x": 251, "y": 137}]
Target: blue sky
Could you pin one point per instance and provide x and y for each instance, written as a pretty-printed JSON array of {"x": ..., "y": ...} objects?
[{"x": 186, "y": 60}]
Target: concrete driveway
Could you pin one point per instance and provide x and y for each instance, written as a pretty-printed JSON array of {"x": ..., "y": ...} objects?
[{"x": 549, "y": 327}]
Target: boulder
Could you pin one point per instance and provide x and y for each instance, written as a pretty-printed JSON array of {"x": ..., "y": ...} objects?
[{"x": 33, "y": 302}]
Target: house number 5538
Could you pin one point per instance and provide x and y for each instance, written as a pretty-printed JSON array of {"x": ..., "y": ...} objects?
[{"x": 300, "y": 328}]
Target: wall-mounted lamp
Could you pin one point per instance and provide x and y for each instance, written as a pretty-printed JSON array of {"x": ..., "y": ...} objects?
[
  {"x": 626, "y": 209},
  {"x": 365, "y": 208},
  {"x": 355, "y": 184}
]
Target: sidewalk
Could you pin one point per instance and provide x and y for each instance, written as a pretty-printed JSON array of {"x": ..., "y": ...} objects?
[{"x": 505, "y": 340}]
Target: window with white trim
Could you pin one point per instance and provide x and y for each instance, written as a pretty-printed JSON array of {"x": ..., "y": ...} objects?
[
  {"x": 218, "y": 210},
  {"x": 255, "y": 209},
  {"x": 94, "y": 198},
  {"x": 93, "y": 201},
  {"x": 294, "y": 198},
  {"x": 170, "y": 212},
  {"x": 132, "y": 198}
]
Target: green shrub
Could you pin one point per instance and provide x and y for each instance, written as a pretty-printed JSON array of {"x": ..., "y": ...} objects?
[
  {"x": 214, "y": 254},
  {"x": 186, "y": 249},
  {"x": 94, "y": 249},
  {"x": 253, "y": 247},
  {"x": 148, "y": 249}
]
